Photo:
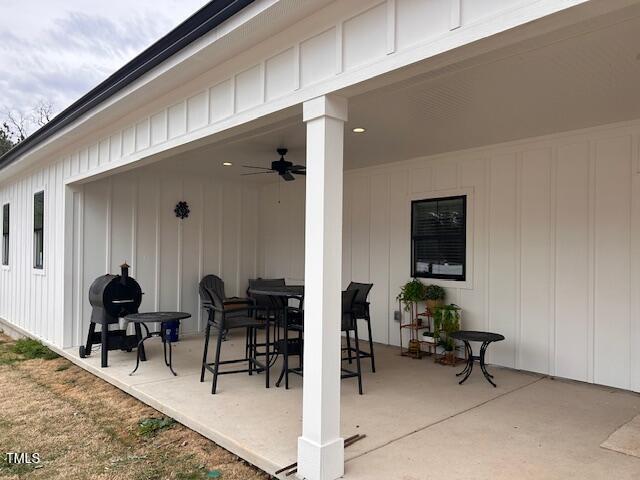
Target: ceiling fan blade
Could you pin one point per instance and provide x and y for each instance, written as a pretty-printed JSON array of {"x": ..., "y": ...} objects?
[
  {"x": 258, "y": 168},
  {"x": 287, "y": 176},
  {"x": 257, "y": 173},
  {"x": 300, "y": 172}
]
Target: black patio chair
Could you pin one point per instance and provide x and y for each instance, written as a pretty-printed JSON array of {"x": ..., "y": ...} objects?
[
  {"x": 224, "y": 317},
  {"x": 283, "y": 343},
  {"x": 216, "y": 284},
  {"x": 267, "y": 308},
  {"x": 264, "y": 304},
  {"x": 350, "y": 324},
  {"x": 361, "y": 312}
]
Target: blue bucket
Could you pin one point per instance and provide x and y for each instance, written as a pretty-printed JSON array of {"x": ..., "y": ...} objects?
[{"x": 171, "y": 330}]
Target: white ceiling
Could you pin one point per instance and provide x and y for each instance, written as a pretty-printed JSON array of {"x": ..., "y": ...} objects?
[{"x": 586, "y": 80}]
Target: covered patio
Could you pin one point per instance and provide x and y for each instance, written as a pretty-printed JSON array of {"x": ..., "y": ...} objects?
[
  {"x": 550, "y": 174},
  {"x": 417, "y": 420}
]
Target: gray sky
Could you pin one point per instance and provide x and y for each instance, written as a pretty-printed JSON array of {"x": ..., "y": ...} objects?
[{"x": 59, "y": 49}]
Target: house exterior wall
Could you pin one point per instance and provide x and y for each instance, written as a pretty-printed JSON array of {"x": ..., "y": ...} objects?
[
  {"x": 555, "y": 256},
  {"x": 339, "y": 45},
  {"x": 28, "y": 297},
  {"x": 130, "y": 217}
]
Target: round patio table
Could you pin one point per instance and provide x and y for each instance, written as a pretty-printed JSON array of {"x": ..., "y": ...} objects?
[
  {"x": 473, "y": 336},
  {"x": 285, "y": 292},
  {"x": 164, "y": 319}
]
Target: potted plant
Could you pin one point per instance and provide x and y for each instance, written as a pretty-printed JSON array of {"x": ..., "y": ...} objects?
[
  {"x": 449, "y": 347},
  {"x": 446, "y": 320},
  {"x": 434, "y": 294},
  {"x": 410, "y": 294}
]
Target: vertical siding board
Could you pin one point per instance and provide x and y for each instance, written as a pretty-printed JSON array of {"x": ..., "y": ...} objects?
[
  {"x": 360, "y": 229},
  {"x": 399, "y": 243},
  {"x": 212, "y": 231},
  {"x": 535, "y": 254},
  {"x": 121, "y": 220},
  {"x": 168, "y": 258},
  {"x": 231, "y": 214},
  {"x": 472, "y": 176},
  {"x": 612, "y": 249},
  {"x": 502, "y": 270},
  {"x": 379, "y": 257},
  {"x": 32, "y": 183},
  {"x": 191, "y": 252},
  {"x": 572, "y": 261},
  {"x": 146, "y": 240}
]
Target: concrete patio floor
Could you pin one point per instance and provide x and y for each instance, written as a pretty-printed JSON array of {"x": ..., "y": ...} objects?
[{"x": 419, "y": 423}]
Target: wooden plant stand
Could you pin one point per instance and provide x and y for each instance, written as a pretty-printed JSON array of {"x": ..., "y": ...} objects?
[{"x": 418, "y": 322}]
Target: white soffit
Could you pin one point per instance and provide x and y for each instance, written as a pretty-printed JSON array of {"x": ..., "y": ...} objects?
[{"x": 586, "y": 80}]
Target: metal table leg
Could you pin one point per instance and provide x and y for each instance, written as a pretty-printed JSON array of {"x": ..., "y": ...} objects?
[
  {"x": 163, "y": 336},
  {"x": 483, "y": 365},
  {"x": 138, "y": 330},
  {"x": 285, "y": 364},
  {"x": 140, "y": 343},
  {"x": 469, "y": 366}
]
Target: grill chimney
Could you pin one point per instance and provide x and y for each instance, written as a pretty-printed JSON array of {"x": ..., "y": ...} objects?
[{"x": 124, "y": 273}]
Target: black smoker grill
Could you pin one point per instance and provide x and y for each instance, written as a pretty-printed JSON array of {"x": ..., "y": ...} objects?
[{"x": 113, "y": 297}]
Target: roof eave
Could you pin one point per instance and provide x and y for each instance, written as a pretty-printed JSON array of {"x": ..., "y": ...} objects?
[{"x": 203, "y": 21}]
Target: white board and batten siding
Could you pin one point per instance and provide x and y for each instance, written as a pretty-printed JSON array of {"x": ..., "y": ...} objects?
[
  {"x": 555, "y": 232},
  {"x": 27, "y": 295},
  {"x": 130, "y": 217}
]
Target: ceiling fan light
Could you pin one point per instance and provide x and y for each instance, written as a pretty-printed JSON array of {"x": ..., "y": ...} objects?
[{"x": 227, "y": 164}]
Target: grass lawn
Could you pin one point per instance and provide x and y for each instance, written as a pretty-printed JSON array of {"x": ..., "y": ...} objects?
[{"x": 84, "y": 428}]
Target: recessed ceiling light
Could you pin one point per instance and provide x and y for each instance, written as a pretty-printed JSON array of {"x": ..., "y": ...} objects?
[
  {"x": 227, "y": 164},
  {"x": 359, "y": 130}
]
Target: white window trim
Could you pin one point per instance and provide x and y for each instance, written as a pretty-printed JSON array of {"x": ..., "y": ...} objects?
[
  {"x": 45, "y": 225},
  {"x": 6, "y": 267},
  {"x": 466, "y": 284}
]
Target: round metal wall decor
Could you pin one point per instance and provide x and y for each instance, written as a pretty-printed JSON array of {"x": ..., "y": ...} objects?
[{"x": 182, "y": 210}]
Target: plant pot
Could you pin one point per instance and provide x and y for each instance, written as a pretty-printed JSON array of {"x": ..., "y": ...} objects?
[
  {"x": 414, "y": 349},
  {"x": 433, "y": 304},
  {"x": 449, "y": 357}
]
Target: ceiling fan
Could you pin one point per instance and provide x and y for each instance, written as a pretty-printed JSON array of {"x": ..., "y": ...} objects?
[{"x": 285, "y": 169}]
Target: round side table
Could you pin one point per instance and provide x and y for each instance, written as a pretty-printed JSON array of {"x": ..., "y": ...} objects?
[
  {"x": 486, "y": 338},
  {"x": 164, "y": 319}
]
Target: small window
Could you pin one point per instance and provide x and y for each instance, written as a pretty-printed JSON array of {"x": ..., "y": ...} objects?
[
  {"x": 5, "y": 234},
  {"x": 438, "y": 238},
  {"x": 38, "y": 230}
]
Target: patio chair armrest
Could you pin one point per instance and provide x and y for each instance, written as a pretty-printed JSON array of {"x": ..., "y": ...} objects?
[{"x": 240, "y": 300}]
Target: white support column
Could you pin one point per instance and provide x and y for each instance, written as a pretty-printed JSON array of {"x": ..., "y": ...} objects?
[{"x": 320, "y": 448}]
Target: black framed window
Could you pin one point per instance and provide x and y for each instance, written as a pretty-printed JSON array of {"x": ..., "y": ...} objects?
[
  {"x": 38, "y": 230},
  {"x": 439, "y": 238},
  {"x": 5, "y": 234}
]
